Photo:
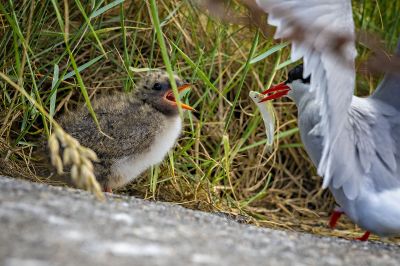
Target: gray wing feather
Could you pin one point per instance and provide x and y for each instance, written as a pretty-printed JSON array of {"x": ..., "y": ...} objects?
[
  {"x": 367, "y": 148},
  {"x": 385, "y": 173},
  {"x": 389, "y": 88}
]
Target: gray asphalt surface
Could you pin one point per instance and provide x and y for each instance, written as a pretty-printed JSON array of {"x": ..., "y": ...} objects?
[{"x": 43, "y": 225}]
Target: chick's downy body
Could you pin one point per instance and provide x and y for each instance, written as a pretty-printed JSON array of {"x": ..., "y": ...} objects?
[{"x": 138, "y": 129}]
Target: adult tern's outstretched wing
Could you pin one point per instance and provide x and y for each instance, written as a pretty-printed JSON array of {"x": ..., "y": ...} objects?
[
  {"x": 389, "y": 89},
  {"x": 322, "y": 32}
]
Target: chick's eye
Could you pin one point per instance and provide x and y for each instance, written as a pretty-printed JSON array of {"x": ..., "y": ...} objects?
[{"x": 157, "y": 86}]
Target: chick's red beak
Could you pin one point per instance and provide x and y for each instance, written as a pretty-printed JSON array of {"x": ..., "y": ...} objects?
[
  {"x": 275, "y": 92},
  {"x": 169, "y": 96}
]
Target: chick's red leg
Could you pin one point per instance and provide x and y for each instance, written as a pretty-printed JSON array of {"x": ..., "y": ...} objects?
[{"x": 107, "y": 189}]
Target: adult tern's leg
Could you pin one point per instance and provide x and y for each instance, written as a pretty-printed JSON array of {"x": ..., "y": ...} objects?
[
  {"x": 364, "y": 237},
  {"x": 337, "y": 212}
]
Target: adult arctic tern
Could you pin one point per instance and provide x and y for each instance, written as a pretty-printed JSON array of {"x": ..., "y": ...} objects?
[{"x": 355, "y": 142}]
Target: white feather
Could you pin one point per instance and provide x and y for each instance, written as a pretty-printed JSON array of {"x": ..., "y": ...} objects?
[{"x": 128, "y": 168}]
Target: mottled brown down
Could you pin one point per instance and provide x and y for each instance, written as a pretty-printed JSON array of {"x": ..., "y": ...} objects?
[{"x": 130, "y": 123}]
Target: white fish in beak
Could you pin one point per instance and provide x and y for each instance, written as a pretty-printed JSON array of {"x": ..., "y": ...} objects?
[{"x": 267, "y": 114}]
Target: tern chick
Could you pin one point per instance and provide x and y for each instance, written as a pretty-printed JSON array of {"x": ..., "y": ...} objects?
[{"x": 139, "y": 128}]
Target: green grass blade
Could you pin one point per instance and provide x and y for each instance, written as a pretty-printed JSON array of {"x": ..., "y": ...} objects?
[
  {"x": 280, "y": 135},
  {"x": 105, "y": 8},
  {"x": 259, "y": 195},
  {"x": 87, "y": 19},
  {"x": 269, "y": 52},
  {"x": 83, "y": 67},
  {"x": 284, "y": 64},
  {"x": 53, "y": 96},
  {"x": 287, "y": 133}
]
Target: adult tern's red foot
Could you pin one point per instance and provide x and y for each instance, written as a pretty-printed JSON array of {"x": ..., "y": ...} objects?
[
  {"x": 364, "y": 237},
  {"x": 335, "y": 216},
  {"x": 355, "y": 142}
]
